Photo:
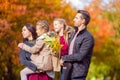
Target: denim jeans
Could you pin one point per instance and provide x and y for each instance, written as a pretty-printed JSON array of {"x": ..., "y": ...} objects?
[
  {"x": 63, "y": 74},
  {"x": 66, "y": 71},
  {"x": 79, "y": 79}
]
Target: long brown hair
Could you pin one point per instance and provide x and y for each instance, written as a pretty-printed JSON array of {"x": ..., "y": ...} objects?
[{"x": 32, "y": 29}]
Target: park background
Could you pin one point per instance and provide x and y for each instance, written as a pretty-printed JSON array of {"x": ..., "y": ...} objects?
[{"x": 104, "y": 25}]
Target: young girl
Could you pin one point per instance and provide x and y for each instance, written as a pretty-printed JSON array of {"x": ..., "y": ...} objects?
[
  {"x": 40, "y": 48},
  {"x": 63, "y": 32}
]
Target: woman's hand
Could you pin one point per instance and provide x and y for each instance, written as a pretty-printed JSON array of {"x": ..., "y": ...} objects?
[{"x": 20, "y": 45}]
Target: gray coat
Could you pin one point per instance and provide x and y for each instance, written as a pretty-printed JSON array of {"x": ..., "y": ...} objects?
[
  {"x": 82, "y": 52},
  {"x": 25, "y": 57}
]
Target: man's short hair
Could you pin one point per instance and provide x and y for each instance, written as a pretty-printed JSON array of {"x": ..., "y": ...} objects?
[{"x": 85, "y": 15}]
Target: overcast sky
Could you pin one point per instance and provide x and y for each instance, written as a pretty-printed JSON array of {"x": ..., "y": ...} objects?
[{"x": 80, "y": 4}]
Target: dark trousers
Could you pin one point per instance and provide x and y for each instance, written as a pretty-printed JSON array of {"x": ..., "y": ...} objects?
[
  {"x": 66, "y": 71},
  {"x": 79, "y": 79}
]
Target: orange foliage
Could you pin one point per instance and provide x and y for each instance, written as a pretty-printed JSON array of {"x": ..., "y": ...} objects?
[
  {"x": 102, "y": 28},
  {"x": 18, "y": 10},
  {"x": 13, "y": 15}
]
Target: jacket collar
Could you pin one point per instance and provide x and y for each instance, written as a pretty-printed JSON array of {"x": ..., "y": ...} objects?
[
  {"x": 42, "y": 36},
  {"x": 80, "y": 32}
]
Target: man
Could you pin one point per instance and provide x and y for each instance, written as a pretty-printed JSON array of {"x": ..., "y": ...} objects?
[{"x": 81, "y": 45}]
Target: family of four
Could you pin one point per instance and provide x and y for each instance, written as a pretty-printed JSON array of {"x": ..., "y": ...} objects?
[{"x": 75, "y": 53}]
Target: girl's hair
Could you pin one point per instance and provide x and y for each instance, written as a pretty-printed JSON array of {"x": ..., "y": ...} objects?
[
  {"x": 32, "y": 29},
  {"x": 44, "y": 24},
  {"x": 61, "y": 20},
  {"x": 67, "y": 29}
]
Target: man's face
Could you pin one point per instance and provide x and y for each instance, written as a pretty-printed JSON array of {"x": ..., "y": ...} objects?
[{"x": 78, "y": 20}]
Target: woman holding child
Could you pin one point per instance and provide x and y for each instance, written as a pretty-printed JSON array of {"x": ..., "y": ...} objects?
[{"x": 39, "y": 47}]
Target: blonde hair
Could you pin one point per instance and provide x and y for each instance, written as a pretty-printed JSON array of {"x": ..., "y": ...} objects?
[
  {"x": 61, "y": 20},
  {"x": 44, "y": 24},
  {"x": 67, "y": 29}
]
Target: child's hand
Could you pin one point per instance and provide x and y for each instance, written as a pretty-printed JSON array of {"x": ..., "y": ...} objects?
[
  {"x": 61, "y": 62},
  {"x": 20, "y": 45},
  {"x": 41, "y": 71}
]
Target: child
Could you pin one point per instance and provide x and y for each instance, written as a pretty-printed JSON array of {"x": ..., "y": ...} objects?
[{"x": 61, "y": 28}]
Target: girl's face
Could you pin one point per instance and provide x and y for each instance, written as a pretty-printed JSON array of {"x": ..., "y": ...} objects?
[
  {"x": 39, "y": 30},
  {"x": 57, "y": 26},
  {"x": 26, "y": 33}
]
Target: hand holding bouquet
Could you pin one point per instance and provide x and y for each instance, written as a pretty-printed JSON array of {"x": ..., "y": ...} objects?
[{"x": 54, "y": 44}]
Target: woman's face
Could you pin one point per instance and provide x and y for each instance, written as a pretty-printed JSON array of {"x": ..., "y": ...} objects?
[
  {"x": 39, "y": 30},
  {"x": 26, "y": 33},
  {"x": 57, "y": 26}
]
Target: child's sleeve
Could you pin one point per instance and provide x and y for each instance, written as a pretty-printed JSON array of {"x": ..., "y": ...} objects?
[{"x": 36, "y": 48}]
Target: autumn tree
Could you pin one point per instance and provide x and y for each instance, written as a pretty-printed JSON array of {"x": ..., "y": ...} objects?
[
  {"x": 13, "y": 15},
  {"x": 105, "y": 28}
]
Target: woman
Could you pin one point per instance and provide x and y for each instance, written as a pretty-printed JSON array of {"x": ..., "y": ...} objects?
[
  {"x": 38, "y": 49},
  {"x": 63, "y": 32},
  {"x": 29, "y": 35}
]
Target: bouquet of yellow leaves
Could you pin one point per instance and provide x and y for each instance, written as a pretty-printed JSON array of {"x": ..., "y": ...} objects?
[{"x": 54, "y": 44}]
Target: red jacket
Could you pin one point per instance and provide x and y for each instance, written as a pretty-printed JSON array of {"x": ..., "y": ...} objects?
[{"x": 64, "y": 49}]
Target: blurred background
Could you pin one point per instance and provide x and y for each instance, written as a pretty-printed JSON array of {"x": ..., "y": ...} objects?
[{"x": 104, "y": 25}]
